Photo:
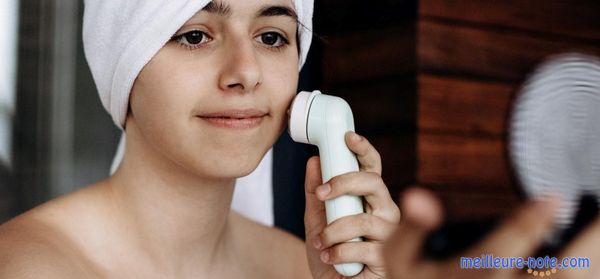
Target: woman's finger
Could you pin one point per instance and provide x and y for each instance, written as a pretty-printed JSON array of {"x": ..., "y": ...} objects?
[
  {"x": 350, "y": 227},
  {"x": 369, "y": 253},
  {"x": 422, "y": 213},
  {"x": 368, "y": 157},
  {"x": 367, "y": 184},
  {"x": 314, "y": 213}
]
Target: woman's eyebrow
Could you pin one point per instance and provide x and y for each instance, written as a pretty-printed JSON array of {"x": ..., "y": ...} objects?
[
  {"x": 223, "y": 9},
  {"x": 278, "y": 11},
  {"x": 218, "y": 7}
]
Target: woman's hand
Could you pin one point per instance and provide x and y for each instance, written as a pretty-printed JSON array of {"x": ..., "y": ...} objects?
[
  {"x": 325, "y": 244},
  {"x": 518, "y": 236}
]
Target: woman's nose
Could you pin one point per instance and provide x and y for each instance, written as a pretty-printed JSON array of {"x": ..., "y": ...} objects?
[{"x": 241, "y": 70}]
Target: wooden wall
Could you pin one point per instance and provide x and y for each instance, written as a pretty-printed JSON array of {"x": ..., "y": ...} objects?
[
  {"x": 366, "y": 54},
  {"x": 472, "y": 57}
]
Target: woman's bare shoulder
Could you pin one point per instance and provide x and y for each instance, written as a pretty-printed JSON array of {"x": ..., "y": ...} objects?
[
  {"x": 29, "y": 248},
  {"x": 36, "y": 242},
  {"x": 269, "y": 245}
]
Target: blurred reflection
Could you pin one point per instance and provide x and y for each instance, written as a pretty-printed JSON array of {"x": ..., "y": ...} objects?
[
  {"x": 8, "y": 26},
  {"x": 8, "y": 29}
]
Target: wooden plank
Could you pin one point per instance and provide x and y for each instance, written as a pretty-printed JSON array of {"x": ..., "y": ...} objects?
[
  {"x": 470, "y": 175},
  {"x": 337, "y": 17},
  {"x": 369, "y": 54},
  {"x": 461, "y": 106},
  {"x": 481, "y": 53},
  {"x": 379, "y": 106},
  {"x": 463, "y": 163},
  {"x": 577, "y": 18},
  {"x": 398, "y": 159},
  {"x": 472, "y": 206}
]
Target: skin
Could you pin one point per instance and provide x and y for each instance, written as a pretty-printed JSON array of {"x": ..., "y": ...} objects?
[
  {"x": 518, "y": 236},
  {"x": 166, "y": 211}
]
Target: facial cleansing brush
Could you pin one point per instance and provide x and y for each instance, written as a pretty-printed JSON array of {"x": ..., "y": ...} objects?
[{"x": 323, "y": 120}]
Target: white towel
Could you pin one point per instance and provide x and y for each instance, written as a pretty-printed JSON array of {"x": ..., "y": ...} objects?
[
  {"x": 253, "y": 194},
  {"x": 121, "y": 36}
]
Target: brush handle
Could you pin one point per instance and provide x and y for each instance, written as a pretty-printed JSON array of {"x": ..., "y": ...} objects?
[{"x": 326, "y": 120}]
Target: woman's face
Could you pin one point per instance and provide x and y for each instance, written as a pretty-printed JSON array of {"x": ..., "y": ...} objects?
[{"x": 214, "y": 98}]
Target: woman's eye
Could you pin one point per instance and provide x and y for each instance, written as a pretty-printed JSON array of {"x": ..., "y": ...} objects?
[
  {"x": 273, "y": 39},
  {"x": 193, "y": 38}
]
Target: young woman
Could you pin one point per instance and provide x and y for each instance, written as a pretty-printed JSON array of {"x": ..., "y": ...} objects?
[{"x": 200, "y": 113}]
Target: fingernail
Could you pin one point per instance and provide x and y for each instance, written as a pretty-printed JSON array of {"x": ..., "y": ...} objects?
[
  {"x": 323, "y": 190},
  {"x": 356, "y": 137},
  {"x": 317, "y": 242},
  {"x": 325, "y": 256}
]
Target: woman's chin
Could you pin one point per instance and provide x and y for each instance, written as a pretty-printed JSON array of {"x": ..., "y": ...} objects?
[
  {"x": 230, "y": 168},
  {"x": 231, "y": 173},
  {"x": 232, "y": 162}
]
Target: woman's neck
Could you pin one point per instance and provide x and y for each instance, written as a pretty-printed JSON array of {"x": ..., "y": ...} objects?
[{"x": 180, "y": 220}]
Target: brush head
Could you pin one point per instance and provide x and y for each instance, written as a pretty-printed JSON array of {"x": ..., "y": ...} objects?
[
  {"x": 298, "y": 116},
  {"x": 555, "y": 132}
]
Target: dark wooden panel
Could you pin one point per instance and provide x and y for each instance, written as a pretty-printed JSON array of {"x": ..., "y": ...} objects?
[
  {"x": 470, "y": 175},
  {"x": 398, "y": 159},
  {"x": 578, "y": 18},
  {"x": 337, "y": 17},
  {"x": 481, "y": 53},
  {"x": 385, "y": 106},
  {"x": 463, "y": 163},
  {"x": 369, "y": 54},
  {"x": 466, "y": 107}
]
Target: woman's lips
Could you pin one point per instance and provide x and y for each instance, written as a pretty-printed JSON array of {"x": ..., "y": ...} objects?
[
  {"x": 234, "y": 123},
  {"x": 235, "y": 118}
]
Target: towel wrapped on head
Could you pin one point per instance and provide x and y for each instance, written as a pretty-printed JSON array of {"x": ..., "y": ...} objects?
[{"x": 121, "y": 36}]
